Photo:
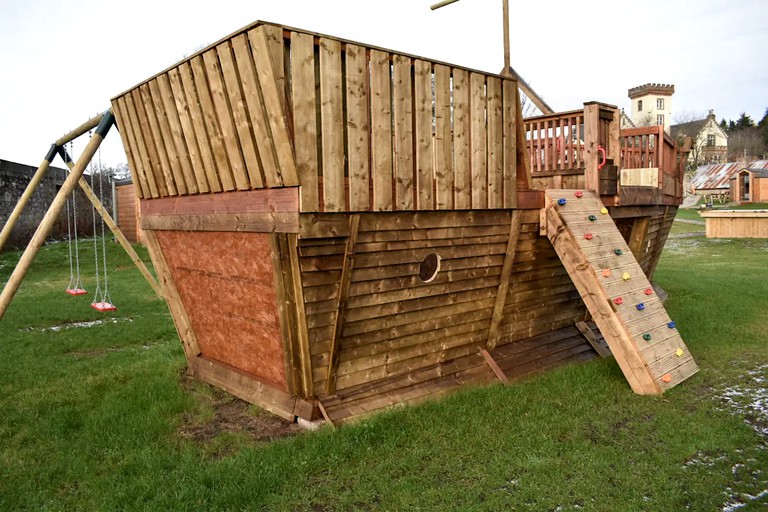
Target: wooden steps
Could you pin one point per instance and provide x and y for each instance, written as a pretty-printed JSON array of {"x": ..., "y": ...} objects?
[{"x": 617, "y": 293}]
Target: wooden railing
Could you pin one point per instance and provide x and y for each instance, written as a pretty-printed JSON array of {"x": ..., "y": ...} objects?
[
  {"x": 563, "y": 147},
  {"x": 649, "y": 148}
]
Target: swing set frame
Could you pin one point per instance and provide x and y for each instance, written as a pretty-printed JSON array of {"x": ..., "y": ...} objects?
[{"x": 102, "y": 124}]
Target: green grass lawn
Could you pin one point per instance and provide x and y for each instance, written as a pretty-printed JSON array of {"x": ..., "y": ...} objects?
[{"x": 99, "y": 418}]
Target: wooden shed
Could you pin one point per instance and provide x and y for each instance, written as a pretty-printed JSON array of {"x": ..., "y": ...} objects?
[
  {"x": 125, "y": 209},
  {"x": 749, "y": 186},
  {"x": 340, "y": 228}
]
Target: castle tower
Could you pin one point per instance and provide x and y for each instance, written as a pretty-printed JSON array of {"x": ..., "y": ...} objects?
[{"x": 652, "y": 104}]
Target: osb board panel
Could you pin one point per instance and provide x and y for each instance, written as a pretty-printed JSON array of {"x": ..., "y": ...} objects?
[{"x": 226, "y": 283}]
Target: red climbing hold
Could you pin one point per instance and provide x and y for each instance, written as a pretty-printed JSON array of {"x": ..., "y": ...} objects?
[
  {"x": 588, "y": 236},
  {"x": 607, "y": 272},
  {"x": 579, "y": 193},
  {"x": 618, "y": 301},
  {"x": 649, "y": 291}
]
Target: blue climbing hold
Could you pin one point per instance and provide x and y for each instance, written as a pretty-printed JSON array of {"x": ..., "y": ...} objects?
[
  {"x": 671, "y": 325},
  {"x": 641, "y": 306},
  {"x": 561, "y": 201}
]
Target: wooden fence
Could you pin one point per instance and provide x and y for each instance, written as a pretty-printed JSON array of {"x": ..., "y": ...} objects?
[
  {"x": 649, "y": 147},
  {"x": 358, "y": 128}
]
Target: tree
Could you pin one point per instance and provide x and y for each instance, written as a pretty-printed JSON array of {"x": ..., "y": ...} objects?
[{"x": 746, "y": 140}]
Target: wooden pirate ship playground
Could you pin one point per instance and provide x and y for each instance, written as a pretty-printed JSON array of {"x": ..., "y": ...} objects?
[{"x": 339, "y": 228}]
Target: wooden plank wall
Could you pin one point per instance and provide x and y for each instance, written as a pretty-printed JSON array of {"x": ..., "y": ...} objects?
[
  {"x": 213, "y": 123},
  {"x": 359, "y": 128},
  {"x": 128, "y": 212},
  {"x": 396, "y": 325}
]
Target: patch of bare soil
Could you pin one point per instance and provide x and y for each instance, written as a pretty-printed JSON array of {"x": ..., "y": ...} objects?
[{"x": 230, "y": 416}]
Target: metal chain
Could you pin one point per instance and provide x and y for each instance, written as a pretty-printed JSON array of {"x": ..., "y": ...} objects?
[
  {"x": 105, "y": 294},
  {"x": 98, "y": 292}
]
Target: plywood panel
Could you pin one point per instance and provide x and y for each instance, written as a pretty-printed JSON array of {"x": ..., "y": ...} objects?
[{"x": 230, "y": 299}]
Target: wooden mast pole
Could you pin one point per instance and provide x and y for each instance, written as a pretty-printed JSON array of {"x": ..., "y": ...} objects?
[
  {"x": 40, "y": 173},
  {"x": 44, "y": 229},
  {"x": 505, "y": 20},
  {"x": 109, "y": 221}
]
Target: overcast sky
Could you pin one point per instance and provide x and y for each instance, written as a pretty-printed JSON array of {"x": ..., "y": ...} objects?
[{"x": 61, "y": 61}]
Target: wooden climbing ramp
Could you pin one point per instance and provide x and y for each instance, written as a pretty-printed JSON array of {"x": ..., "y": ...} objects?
[{"x": 621, "y": 300}]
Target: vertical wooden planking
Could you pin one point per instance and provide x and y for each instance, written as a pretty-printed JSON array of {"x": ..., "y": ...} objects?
[
  {"x": 478, "y": 141},
  {"x": 213, "y": 128},
  {"x": 270, "y": 82},
  {"x": 495, "y": 144},
  {"x": 188, "y": 130},
  {"x": 142, "y": 148},
  {"x": 402, "y": 101},
  {"x": 232, "y": 84},
  {"x": 148, "y": 137},
  {"x": 522, "y": 167},
  {"x": 423, "y": 129},
  {"x": 510, "y": 143},
  {"x": 358, "y": 131},
  {"x": 267, "y": 176},
  {"x": 332, "y": 127},
  {"x": 158, "y": 140},
  {"x": 169, "y": 137},
  {"x": 381, "y": 130},
  {"x": 196, "y": 117},
  {"x": 275, "y": 44},
  {"x": 224, "y": 115},
  {"x": 305, "y": 118},
  {"x": 443, "y": 138},
  {"x": 126, "y": 134},
  {"x": 461, "y": 165}
]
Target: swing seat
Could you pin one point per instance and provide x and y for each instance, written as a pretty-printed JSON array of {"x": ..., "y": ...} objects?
[
  {"x": 75, "y": 291},
  {"x": 103, "y": 306}
]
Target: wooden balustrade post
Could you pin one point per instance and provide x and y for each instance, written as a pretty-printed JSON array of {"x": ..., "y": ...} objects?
[{"x": 591, "y": 141}]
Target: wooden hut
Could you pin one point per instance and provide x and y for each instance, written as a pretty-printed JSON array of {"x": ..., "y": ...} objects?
[{"x": 339, "y": 228}]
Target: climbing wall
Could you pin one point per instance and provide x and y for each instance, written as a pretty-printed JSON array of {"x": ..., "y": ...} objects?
[{"x": 623, "y": 304}]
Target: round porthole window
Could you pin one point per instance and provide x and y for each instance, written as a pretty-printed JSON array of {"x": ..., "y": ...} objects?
[{"x": 429, "y": 267}]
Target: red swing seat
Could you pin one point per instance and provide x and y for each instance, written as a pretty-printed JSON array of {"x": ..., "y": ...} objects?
[
  {"x": 103, "y": 306},
  {"x": 75, "y": 291}
]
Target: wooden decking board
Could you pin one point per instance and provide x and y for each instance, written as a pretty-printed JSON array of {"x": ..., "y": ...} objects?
[{"x": 644, "y": 362}]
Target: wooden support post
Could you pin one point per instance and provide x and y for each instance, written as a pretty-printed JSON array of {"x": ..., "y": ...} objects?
[
  {"x": 325, "y": 414},
  {"x": 591, "y": 141},
  {"x": 302, "y": 333},
  {"x": 506, "y": 271},
  {"x": 24, "y": 199},
  {"x": 592, "y": 339},
  {"x": 341, "y": 302},
  {"x": 491, "y": 362},
  {"x": 44, "y": 229},
  {"x": 80, "y": 130},
  {"x": 638, "y": 235},
  {"x": 114, "y": 228}
]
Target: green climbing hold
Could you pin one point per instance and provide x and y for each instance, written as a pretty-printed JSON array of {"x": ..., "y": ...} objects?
[
  {"x": 647, "y": 337},
  {"x": 592, "y": 218},
  {"x": 618, "y": 252}
]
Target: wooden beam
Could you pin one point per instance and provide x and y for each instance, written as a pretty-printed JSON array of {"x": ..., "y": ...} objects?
[
  {"x": 286, "y": 311},
  {"x": 248, "y": 388},
  {"x": 494, "y": 366},
  {"x": 591, "y": 142},
  {"x": 172, "y": 297},
  {"x": 13, "y": 218},
  {"x": 637, "y": 237},
  {"x": 341, "y": 302},
  {"x": 506, "y": 271},
  {"x": 592, "y": 339},
  {"x": 302, "y": 334},
  {"x": 246, "y": 222},
  {"x": 45, "y": 226},
  {"x": 80, "y": 130},
  {"x": 326, "y": 417},
  {"x": 262, "y": 200}
]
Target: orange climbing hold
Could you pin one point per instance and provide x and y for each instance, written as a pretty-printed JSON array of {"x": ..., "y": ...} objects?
[
  {"x": 667, "y": 377},
  {"x": 607, "y": 272}
]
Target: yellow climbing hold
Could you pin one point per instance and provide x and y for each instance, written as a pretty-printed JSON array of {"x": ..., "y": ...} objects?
[
  {"x": 604, "y": 210},
  {"x": 679, "y": 352},
  {"x": 625, "y": 276}
]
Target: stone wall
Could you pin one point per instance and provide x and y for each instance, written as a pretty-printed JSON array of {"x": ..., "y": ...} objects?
[{"x": 15, "y": 177}]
